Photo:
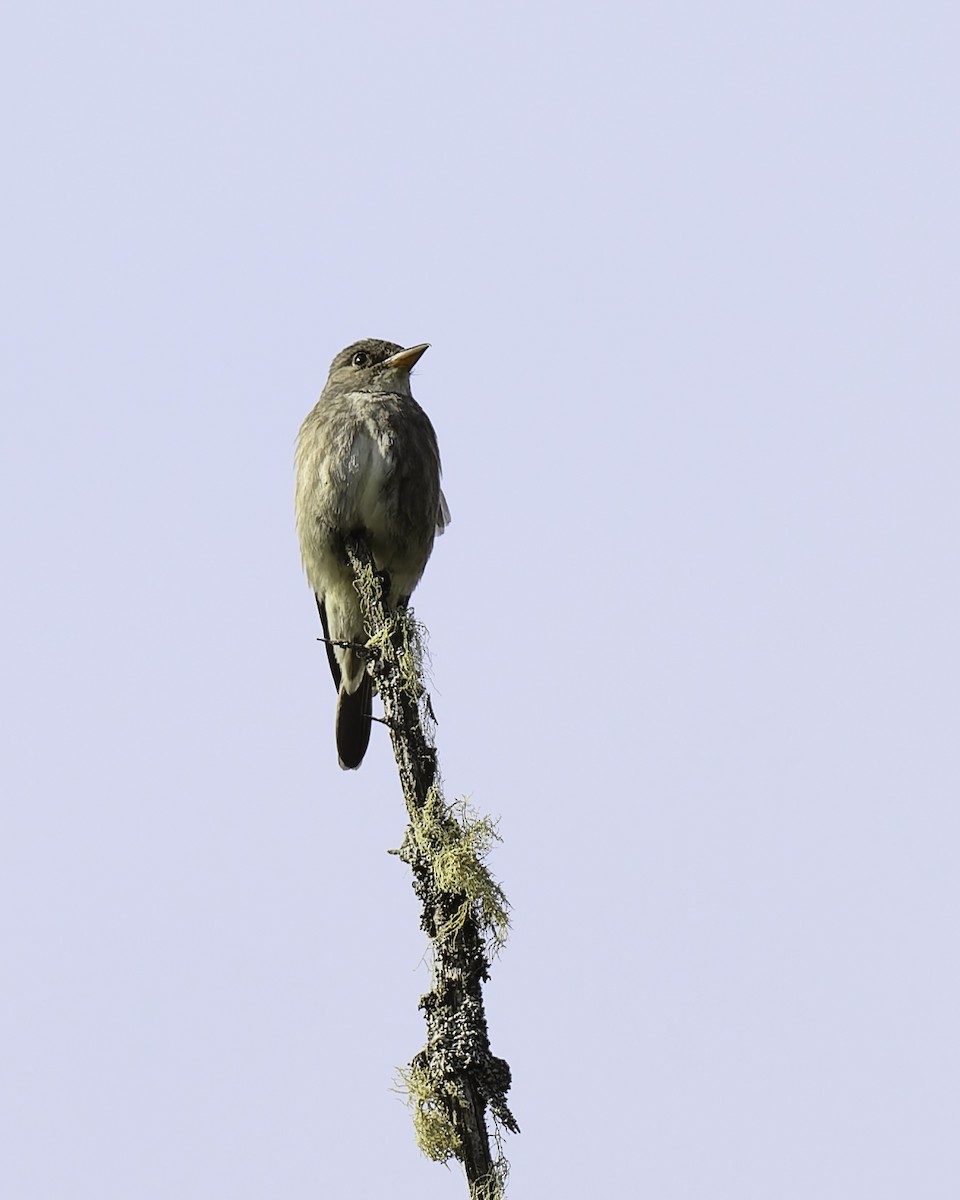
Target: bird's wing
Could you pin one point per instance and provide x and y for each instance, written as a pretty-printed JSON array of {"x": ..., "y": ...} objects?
[{"x": 443, "y": 515}]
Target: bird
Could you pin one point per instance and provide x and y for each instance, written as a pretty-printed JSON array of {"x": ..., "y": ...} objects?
[{"x": 368, "y": 465}]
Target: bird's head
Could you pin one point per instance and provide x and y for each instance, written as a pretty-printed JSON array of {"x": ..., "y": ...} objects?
[{"x": 374, "y": 366}]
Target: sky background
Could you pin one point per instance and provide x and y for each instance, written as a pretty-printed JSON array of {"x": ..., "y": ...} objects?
[{"x": 690, "y": 275}]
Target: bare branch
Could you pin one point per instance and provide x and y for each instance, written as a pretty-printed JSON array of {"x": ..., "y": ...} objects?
[{"x": 455, "y": 1078}]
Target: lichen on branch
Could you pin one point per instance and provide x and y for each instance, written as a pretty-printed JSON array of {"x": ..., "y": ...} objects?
[{"x": 456, "y": 1078}]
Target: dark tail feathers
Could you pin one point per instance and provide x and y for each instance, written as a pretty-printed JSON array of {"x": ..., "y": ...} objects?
[{"x": 354, "y": 715}]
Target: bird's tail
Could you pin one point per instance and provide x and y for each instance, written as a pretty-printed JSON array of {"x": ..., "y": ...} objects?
[{"x": 354, "y": 715}]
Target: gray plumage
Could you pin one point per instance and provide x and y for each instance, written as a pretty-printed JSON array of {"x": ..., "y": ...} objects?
[{"x": 367, "y": 463}]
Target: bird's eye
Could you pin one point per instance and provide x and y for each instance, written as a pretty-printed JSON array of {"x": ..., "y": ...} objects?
[{"x": 361, "y": 358}]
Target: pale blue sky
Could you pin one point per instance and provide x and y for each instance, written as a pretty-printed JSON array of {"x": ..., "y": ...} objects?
[{"x": 690, "y": 276}]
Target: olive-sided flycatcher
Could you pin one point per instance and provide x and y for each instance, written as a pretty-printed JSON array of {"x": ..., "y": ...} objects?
[{"x": 367, "y": 464}]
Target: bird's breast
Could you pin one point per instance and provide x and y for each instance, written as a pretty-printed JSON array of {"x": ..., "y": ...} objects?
[{"x": 369, "y": 467}]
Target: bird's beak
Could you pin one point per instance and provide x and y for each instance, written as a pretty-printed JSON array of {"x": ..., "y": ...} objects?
[{"x": 406, "y": 358}]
